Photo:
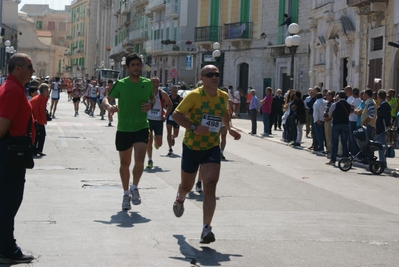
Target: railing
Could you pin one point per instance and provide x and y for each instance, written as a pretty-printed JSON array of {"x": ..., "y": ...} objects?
[
  {"x": 275, "y": 39},
  {"x": 320, "y": 3},
  {"x": 68, "y": 37},
  {"x": 156, "y": 4},
  {"x": 138, "y": 34},
  {"x": 208, "y": 33},
  {"x": 172, "y": 8},
  {"x": 125, "y": 8},
  {"x": 179, "y": 47},
  {"x": 238, "y": 30},
  {"x": 362, "y": 2},
  {"x": 153, "y": 45},
  {"x": 139, "y": 2}
]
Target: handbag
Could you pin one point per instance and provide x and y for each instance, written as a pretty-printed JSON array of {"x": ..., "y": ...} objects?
[
  {"x": 19, "y": 151},
  {"x": 390, "y": 152}
]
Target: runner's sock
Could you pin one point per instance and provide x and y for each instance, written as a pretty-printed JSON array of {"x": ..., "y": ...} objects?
[
  {"x": 126, "y": 193},
  {"x": 132, "y": 187}
]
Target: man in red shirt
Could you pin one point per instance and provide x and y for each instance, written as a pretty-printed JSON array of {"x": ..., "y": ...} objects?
[
  {"x": 15, "y": 114},
  {"x": 39, "y": 103}
]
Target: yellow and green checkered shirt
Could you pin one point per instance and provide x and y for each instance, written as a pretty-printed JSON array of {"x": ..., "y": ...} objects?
[{"x": 194, "y": 106}]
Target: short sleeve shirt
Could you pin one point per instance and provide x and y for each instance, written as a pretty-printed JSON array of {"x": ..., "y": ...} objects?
[
  {"x": 199, "y": 108},
  {"x": 130, "y": 96}
]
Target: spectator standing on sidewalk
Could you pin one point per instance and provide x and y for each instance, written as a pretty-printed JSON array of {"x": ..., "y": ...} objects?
[
  {"x": 328, "y": 120},
  {"x": 15, "y": 116},
  {"x": 298, "y": 109},
  {"x": 354, "y": 101},
  {"x": 318, "y": 121},
  {"x": 383, "y": 121},
  {"x": 39, "y": 104},
  {"x": 278, "y": 103},
  {"x": 266, "y": 105},
  {"x": 135, "y": 98},
  {"x": 253, "y": 111},
  {"x": 201, "y": 113},
  {"x": 339, "y": 112}
]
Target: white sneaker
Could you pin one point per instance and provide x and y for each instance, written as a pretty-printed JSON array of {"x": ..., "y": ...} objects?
[
  {"x": 136, "y": 200},
  {"x": 126, "y": 202}
]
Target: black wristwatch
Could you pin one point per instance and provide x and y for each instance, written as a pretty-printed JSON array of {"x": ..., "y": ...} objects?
[{"x": 193, "y": 127}]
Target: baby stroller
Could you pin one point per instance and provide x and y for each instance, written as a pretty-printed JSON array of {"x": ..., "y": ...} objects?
[{"x": 366, "y": 153}]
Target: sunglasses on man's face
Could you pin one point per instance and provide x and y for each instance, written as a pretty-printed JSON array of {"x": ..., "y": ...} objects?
[
  {"x": 211, "y": 74},
  {"x": 30, "y": 67}
]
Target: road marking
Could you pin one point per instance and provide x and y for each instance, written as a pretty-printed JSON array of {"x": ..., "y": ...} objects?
[{"x": 63, "y": 140}]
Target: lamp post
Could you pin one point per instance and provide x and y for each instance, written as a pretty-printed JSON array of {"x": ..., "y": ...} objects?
[
  {"x": 216, "y": 55},
  {"x": 292, "y": 42},
  {"x": 112, "y": 63},
  {"x": 123, "y": 63}
]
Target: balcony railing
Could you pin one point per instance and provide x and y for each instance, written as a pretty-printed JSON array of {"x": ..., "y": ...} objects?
[
  {"x": 238, "y": 30},
  {"x": 138, "y": 34},
  {"x": 172, "y": 9},
  {"x": 125, "y": 8},
  {"x": 156, "y": 4},
  {"x": 362, "y": 2},
  {"x": 153, "y": 45},
  {"x": 208, "y": 34},
  {"x": 179, "y": 47},
  {"x": 139, "y": 2},
  {"x": 277, "y": 39}
]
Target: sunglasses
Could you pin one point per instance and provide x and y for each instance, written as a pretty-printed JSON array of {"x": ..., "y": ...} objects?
[
  {"x": 211, "y": 74},
  {"x": 30, "y": 67}
]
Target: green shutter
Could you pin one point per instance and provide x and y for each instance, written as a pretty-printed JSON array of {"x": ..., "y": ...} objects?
[
  {"x": 214, "y": 20},
  {"x": 245, "y": 8},
  {"x": 175, "y": 33},
  {"x": 294, "y": 11},
  {"x": 281, "y": 30}
]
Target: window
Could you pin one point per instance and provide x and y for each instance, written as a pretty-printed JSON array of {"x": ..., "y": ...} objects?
[
  {"x": 62, "y": 26},
  {"x": 377, "y": 43},
  {"x": 39, "y": 25},
  {"x": 51, "y": 26}
]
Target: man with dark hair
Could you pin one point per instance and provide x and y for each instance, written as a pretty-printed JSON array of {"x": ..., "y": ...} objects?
[
  {"x": 318, "y": 121},
  {"x": 382, "y": 122},
  {"x": 15, "y": 116},
  {"x": 39, "y": 103},
  {"x": 287, "y": 20},
  {"x": 136, "y": 98},
  {"x": 339, "y": 112}
]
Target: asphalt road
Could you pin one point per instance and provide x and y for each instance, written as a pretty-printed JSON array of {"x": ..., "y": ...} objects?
[{"x": 276, "y": 206}]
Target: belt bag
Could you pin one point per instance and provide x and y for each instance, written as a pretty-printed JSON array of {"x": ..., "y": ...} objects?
[{"x": 19, "y": 151}]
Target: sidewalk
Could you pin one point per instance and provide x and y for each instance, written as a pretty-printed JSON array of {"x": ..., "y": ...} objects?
[{"x": 243, "y": 124}]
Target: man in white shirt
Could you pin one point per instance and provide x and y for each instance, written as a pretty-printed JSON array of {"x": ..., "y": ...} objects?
[
  {"x": 318, "y": 121},
  {"x": 355, "y": 101}
]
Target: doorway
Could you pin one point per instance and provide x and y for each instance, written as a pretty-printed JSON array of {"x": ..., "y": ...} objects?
[{"x": 243, "y": 83}]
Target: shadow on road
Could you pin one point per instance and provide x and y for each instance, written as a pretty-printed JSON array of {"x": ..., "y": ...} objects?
[
  {"x": 205, "y": 257},
  {"x": 125, "y": 219}
]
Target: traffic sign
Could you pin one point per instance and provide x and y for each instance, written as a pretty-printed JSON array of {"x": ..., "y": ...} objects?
[{"x": 173, "y": 73}]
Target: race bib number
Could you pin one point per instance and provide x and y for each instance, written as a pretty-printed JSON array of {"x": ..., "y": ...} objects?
[
  {"x": 154, "y": 113},
  {"x": 214, "y": 123}
]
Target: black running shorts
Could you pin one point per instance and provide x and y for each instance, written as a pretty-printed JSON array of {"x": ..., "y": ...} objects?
[{"x": 125, "y": 140}]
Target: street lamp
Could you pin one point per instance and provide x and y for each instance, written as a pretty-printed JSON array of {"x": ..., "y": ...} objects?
[
  {"x": 9, "y": 50},
  {"x": 216, "y": 52},
  {"x": 292, "y": 42},
  {"x": 123, "y": 63},
  {"x": 112, "y": 63}
]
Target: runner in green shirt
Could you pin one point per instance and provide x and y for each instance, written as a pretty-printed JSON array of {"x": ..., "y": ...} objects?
[{"x": 135, "y": 96}]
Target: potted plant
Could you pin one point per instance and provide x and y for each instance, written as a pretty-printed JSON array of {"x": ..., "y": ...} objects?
[
  {"x": 108, "y": 48},
  {"x": 188, "y": 42},
  {"x": 175, "y": 48}
]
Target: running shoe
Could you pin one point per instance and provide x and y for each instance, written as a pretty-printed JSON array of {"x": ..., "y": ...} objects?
[
  {"x": 109, "y": 124},
  {"x": 178, "y": 208},
  {"x": 150, "y": 164},
  {"x": 126, "y": 202},
  {"x": 222, "y": 157},
  {"x": 207, "y": 236},
  {"x": 170, "y": 152},
  {"x": 136, "y": 200},
  {"x": 20, "y": 258},
  {"x": 198, "y": 187}
]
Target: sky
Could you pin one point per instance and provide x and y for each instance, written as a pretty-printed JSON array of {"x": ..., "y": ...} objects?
[{"x": 54, "y": 4}]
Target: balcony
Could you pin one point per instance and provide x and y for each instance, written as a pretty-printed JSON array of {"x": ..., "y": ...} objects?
[
  {"x": 208, "y": 34},
  {"x": 172, "y": 9},
  {"x": 80, "y": 34},
  {"x": 136, "y": 3},
  {"x": 154, "y": 5},
  {"x": 275, "y": 40},
  {"x": 138, "y": 35},
  {"x": 358, "y": 3},
  {"x": 152, "y": 46},
  {"x": 179, "y": 48},
  {"x": 238, "y": 31},
  {"x": 69, "y": 37},
  {"x": 125, "y": 8}
]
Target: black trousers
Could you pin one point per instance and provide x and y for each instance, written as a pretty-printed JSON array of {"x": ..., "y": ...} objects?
[
  {"x": 253, "y": 113},
  {"x": 277, "y": 118},
  {"x": 40, "y": 138},
  {"x": 12, "y": 184}
]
